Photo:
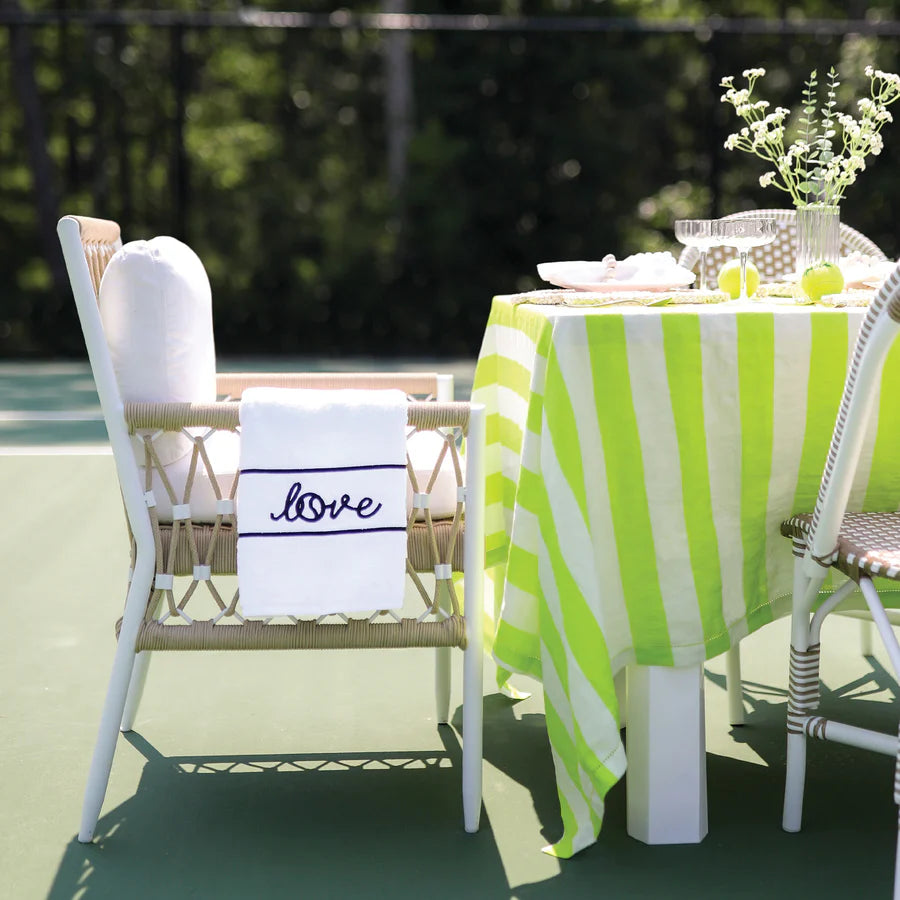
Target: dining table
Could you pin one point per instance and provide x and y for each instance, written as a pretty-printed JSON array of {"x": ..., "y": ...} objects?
[{"x": 642, "y": 452}]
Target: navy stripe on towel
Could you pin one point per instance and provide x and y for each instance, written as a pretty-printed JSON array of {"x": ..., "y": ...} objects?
[
  {"x": 255, "y": 534},
  {"x": 334, "y": 469}
]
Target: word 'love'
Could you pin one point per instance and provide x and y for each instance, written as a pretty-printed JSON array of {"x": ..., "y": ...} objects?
[{"x": 307, "y": 506}]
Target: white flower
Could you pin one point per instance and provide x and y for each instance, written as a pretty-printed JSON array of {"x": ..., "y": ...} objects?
[{"x": 834, "y": 145}]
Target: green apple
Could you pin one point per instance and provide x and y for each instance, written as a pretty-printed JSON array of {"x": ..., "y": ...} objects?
[
  {"x": 821, "y": 279},
  {"x": 730, "y": 278}
]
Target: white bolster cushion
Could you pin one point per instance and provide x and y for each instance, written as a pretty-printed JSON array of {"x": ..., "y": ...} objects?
[
  {"x": 423, "y": 448},
  {"x": 156, "y": 308}
]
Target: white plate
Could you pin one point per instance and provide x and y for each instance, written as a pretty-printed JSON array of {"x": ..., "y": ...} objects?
[
  {"x": 589, "y": 276},
  {"x": 613, "y": 287}
]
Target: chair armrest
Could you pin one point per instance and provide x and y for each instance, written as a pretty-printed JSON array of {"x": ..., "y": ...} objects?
[
  {"x": 232, "y": 385},
  {"x": 225, "y": 415}
]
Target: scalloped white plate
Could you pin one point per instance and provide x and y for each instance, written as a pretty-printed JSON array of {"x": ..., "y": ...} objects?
[{"x": 584, "y": 275}]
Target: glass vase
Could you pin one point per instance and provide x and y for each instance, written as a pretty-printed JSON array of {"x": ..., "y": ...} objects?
[{"x": 818, "y": 235}]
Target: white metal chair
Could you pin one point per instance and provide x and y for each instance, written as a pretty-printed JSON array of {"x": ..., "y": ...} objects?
[
  {"x": 775, "y": 261},
  {"x": 183, "y": 528},
  {"x": 860, "y": 545}
]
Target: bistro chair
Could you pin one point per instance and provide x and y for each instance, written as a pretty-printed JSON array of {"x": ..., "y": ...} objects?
[
  {"x": 175, "y": 428},
  {"x": 775, "y": 261},
  {"x": 861, "y": 546}
]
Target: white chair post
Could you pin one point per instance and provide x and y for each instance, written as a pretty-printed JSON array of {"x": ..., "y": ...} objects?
[
  {"x": 733, "y": 685},
  {"x": 473, "y": 599},
  {"x": 442, "y": 660}
]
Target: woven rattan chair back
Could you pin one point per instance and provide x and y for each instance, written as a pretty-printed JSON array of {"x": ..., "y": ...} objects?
[
  {"x": 859, "y": 545},
  {"x": 775, "y": 261},
  {"x": 182, "y": 592}
]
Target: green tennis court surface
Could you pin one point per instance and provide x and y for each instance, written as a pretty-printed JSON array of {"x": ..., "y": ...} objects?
[{"x": 323, "y": 775}]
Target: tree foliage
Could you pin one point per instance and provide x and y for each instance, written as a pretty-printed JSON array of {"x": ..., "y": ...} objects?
[{"x": 265, "y": 150}]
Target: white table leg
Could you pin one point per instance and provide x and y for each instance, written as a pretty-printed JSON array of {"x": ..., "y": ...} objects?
[{"x": 666, "y": 749}]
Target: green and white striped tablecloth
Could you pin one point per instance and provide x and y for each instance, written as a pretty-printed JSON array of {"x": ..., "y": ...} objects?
[{"x": 639, "y": 463}]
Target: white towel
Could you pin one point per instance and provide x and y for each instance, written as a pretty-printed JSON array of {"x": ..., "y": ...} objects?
[{"x": 321, "y": 504}]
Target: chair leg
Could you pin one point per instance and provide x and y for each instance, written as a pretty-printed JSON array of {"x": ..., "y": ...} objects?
[
  {"x": 101, "y": 763},
  {"x": 120, "y": 679},
  {"x": 803, "y": 694},
  {"x": 803, "y": 698},
  {"x": 473, "y": 715},
  {"x": 135, "y": 690},
  {"x": 442, "y": 684},
  {"x": 897, "y": 801},
  {"x": 795, "y": 778},
  {"x": 733, "y": 685}
]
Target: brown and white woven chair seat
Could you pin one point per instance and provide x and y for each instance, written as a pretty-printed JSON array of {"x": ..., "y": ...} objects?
[{"x": 867, "y": 542}]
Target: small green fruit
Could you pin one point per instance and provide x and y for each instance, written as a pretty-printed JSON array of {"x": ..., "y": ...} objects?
[
  {"x": 821, "y": 279},
  {"x": 730, "y": 278}
]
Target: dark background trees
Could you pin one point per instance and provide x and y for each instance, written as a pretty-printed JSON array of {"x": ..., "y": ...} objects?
[{"x": 354, "y": 193}]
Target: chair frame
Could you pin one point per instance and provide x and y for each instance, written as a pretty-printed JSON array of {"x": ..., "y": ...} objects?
[
  {"x": 816, "y": 547},
  {"x": 88, "y": 244}
]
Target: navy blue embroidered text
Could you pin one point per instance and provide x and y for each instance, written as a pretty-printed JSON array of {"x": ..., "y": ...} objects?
[{"x": 310, "y": 507}]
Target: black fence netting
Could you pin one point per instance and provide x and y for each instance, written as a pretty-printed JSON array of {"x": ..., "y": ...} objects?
[{"x": 363, "y": 183}]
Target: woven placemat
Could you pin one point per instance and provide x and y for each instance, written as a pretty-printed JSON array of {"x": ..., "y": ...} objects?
[
  {"x": 790, "y": 290},
  {"x": 783, "y": 290},
  {"x": 624, "y": 298}
]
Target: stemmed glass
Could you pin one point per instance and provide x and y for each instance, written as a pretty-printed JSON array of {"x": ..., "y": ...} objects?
[
  {"x": 697, "y": 233},
  {"x": 743, "y": 234}
]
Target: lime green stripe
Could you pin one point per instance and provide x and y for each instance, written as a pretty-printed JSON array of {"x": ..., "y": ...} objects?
[
  {"x": 499, "y": 489},
  {"x": 519, "y": 650},
  {"x": 494, "y": 488},
  {"x": 522, "y": 569},
  {"x": 526, "y": 319},
  {"x": 532, "y": 493},
  {"x": 884, "y": 478},
  {"x": 565, "y": 750},
  {"x": 496, "y": 549},
  {"x": 625, "y": 480},
  {"x": 495, "y": 369},
  {"x": 829, "y": 347},
  {"x": 563, "y": 431},
  {"x": 586, "y": 642},
  {"x": 574, "y": 752},
  {"x": 756, "y": 376},
  {"x": 534, "y": 422},
  {"x": 684, "y": 367},
  {"x": 504, "y": 431}
]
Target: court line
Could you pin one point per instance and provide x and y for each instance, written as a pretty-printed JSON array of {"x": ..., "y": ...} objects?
[
  {"x": 49, "y": 415},
  {"x": 53, "y": 450}
]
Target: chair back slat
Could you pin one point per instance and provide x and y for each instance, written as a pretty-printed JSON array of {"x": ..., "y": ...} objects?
[{"x": 875, "y": 338}]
